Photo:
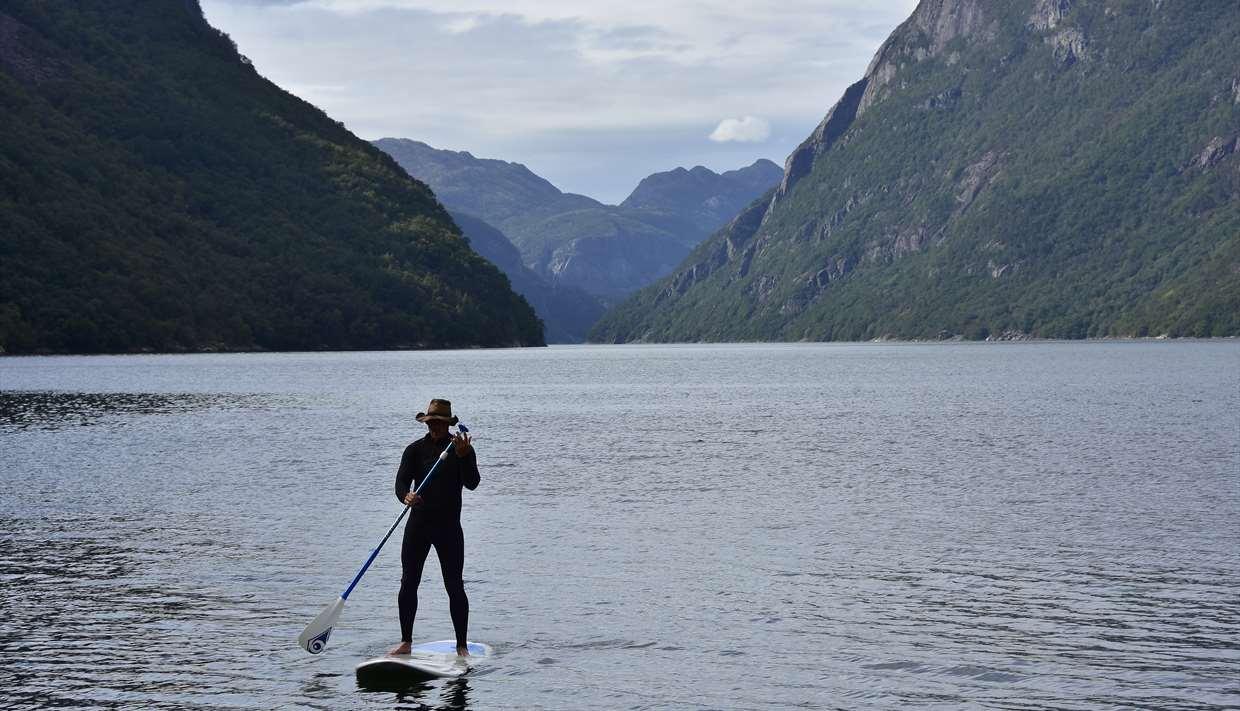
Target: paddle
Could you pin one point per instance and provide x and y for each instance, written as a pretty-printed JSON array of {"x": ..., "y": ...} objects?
[{"x": 313, "y": 639}]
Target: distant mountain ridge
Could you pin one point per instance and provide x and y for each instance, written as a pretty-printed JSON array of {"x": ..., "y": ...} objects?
[
  {"x": 567, "y": 312},
  {"x": 157, "y": 194},
  {"x": 707, "y": 198},
  {"x": 457, "y": 178},
  {"x": 575, "y": 241},
  {"x": 1004, "y": 169}
]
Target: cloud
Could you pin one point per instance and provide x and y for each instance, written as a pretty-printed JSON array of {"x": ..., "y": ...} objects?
[
  {"x": 694, "y": 32},
  {"x": 501, "y": 77},
  {"x": 748, "y": 129}
]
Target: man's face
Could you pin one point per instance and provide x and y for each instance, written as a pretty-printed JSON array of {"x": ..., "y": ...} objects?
[{"x": 438, "y": 428}]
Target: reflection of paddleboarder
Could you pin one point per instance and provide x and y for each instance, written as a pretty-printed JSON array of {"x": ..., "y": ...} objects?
[{"x": 435, "y": 518}]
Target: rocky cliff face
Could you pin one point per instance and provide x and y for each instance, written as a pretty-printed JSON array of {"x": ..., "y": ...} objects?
[
  {"x": 927, "y": 34},
  {"x": 933, "y": 26},
  {"x": 988, "y": 174}
]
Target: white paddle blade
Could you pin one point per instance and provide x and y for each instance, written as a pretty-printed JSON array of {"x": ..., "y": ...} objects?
[{"x": 313, "y": 639}]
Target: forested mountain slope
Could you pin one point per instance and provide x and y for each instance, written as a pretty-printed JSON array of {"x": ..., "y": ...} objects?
[
  {"x": 156, "y": 193},
  {"x": 1007, "y": 168},
  {"x": 575, "y": 241},
  {"x": 567, "y": 312},
  {"x": 701, "y": 196}
]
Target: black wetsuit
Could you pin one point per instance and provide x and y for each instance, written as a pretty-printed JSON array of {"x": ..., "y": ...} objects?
[{"x": 436, "y": 521}]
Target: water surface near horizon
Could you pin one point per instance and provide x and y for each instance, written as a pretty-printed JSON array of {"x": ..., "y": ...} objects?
[{"x": 1018, "y": 526}]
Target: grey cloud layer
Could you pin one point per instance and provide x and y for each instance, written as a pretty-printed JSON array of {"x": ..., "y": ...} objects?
[{"x": 592, "y": 102}]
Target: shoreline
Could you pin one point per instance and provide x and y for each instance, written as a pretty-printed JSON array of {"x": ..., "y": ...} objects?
[{"x": 956, "y": 340}]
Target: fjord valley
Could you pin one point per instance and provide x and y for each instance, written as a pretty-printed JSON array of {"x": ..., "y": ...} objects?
[
  {"x": 1012, "y": 169},
  {"x": 574, "y": 249},
  {"x": 876, "y": 526},
  {"x": 1008, "y": 169},
  {"x": 158, "y": 194}
]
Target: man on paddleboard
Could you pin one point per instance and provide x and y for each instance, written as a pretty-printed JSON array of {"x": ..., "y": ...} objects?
[{"x": 435, "y": 518}]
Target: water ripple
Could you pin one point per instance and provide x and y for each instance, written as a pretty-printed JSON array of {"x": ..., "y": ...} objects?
[{"x": 1024, "y": 526}]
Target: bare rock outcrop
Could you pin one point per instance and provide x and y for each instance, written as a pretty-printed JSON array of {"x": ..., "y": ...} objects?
[
  {"x": 976, "y": 178},
  {"x": 739, "y": 232},
  {"x": 1047, "y": 14},
  {"x": 1215, "y": 151},
  {"x": 1069, "y": 44},
  {"x": 927, "y": 33},
  {"x": 837, "y": 121},
  {"x": 933, "y": 26}
]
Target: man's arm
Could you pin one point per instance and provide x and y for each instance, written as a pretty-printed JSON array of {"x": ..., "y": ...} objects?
[
  {"x": 404, "y": 476},
  {"x": 467, "y": 461},
  {"x": 469, "y": 470}
]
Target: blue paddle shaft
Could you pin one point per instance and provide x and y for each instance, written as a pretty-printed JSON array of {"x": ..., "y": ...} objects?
[{"x": 375, "y": 553}]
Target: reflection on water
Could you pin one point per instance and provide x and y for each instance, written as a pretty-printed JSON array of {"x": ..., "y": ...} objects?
[
  {"x": 1011, "y": 526},
  {"x": 55, "y": 410},
  {"x": 447, "y": 695}
]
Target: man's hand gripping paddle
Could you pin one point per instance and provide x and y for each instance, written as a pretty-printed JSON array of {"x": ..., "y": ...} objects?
[{"x": 313, "y": 639}]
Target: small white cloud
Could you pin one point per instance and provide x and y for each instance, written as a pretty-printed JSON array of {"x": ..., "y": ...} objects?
[
  {"x": 462, "y": 24},
  {"x": 749, "y": 129}
]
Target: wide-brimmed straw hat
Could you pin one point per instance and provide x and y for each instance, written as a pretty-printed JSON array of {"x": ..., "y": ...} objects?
[{"x": 438, "y": 410}]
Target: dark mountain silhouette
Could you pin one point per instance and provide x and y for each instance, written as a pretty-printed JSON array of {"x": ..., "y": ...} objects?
[{"x": 157, "y": 194}]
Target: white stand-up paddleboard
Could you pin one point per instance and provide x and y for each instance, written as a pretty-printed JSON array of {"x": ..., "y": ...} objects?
[{"x": 430, "y": 660}]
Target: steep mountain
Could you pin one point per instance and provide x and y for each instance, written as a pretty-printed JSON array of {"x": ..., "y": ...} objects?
[
  {"x": 493, "y": 190},
  {"x": 1051, "y": 168},
  {"x": 704, "y": 197},
  {"x": 567, "y": 312},
  {"x": 573, "y": 240},
  {"x": 607, "y": 252},
  {"x": 156, "y": 193}
]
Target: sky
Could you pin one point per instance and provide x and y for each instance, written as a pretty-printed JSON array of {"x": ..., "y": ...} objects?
[{"x": 593, "y": 96}]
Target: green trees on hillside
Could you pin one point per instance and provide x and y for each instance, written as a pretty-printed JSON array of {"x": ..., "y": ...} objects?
[
  {"x": 158, "y": 194},
  {"x": 1000, "y": 187}
]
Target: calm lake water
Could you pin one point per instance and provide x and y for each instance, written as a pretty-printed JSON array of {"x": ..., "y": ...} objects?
[{"x": 867, "y": 526}]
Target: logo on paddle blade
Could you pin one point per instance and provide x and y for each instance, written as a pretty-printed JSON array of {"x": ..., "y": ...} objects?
[{"x": 317, "y": 644}]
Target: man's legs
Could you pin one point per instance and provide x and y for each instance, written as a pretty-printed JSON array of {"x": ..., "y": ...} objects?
[
  {"x": 413, "y": 551},
  {"x": 450, "y": 547}
]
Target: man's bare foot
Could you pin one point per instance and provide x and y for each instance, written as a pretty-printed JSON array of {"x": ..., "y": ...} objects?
[
  {"x": 402, "y": 648},
  {"x": 462, "y": 650}
]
